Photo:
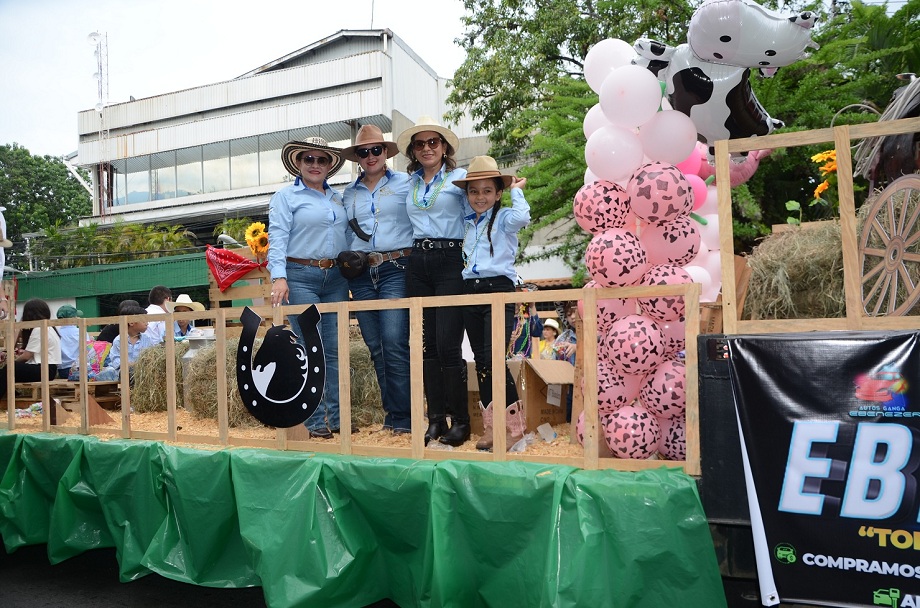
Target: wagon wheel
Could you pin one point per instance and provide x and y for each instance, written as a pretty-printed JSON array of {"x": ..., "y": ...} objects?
[{"x": 889, "y": 249}]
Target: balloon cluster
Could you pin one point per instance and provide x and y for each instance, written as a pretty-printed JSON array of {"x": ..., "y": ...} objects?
[{"x": 641, "y": 186}]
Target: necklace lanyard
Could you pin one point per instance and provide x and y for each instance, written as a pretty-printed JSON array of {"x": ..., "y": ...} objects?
[
  {"x": 427, "y": 202},
  {"x": 472, "y": 254},
  {"x": 353, "y": 222}
]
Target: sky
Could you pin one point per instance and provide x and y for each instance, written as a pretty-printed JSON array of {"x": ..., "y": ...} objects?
[{"x": 47, "y": 65}]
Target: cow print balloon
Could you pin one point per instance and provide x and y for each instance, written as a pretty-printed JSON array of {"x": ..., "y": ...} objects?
[
  {"x": 609, "y": 310},
  {"x": 631, "y": 432},
  {"x": 676, "y": 242},
  {"x": 673, "y": 441},
  {"x": 659, "y": 193},
  {"x": 664, "y": 393},
  {"x": 674, "y": 333},
  {"x": 601, "y": 205},
  {"x": 634, "y": 345},
  {"x": 615, "y": 258},
  {"x": 614, "y": 388},
  {"x": 664, "y": 308},
  {"x": 603, "y": 450}
]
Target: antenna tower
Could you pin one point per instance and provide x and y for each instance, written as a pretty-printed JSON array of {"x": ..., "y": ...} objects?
[{"x": 104, "y": 177}]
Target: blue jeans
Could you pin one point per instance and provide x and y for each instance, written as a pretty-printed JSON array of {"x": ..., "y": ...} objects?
[
  {"x": 311, "y": 285},
  {"x": 386, "y": 333}
]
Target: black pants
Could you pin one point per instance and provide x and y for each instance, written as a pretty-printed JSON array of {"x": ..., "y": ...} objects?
[
  {"x": 437, "y": 272},
  {"x": 26, "y": 372},
  {"x": 478, "y": 323}
]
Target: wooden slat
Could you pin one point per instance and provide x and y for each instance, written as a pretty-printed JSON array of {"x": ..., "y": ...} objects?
[{"x": 852, "y": 285}]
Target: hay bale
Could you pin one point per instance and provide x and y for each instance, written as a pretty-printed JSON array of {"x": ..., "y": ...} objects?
[
  {"x": 202, "y": 386},
  {"x": 366, "y": 407},
  {"x": 797, "y": 274},
  {"x": 148, "y": 391}
]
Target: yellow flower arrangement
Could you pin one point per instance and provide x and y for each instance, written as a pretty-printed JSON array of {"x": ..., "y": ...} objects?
[
  {"x": 257, "y": 239},
  {"x": 828, "y": 171}
]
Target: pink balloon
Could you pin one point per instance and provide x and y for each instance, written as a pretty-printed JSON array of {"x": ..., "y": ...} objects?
[
  {"x": 614, "y": 388},
  {"x": 632, "y": 432},
  {"x": 659, "y": 193},
  {"x": 608, "y": 310},
  {"x": 676, "y": 242},
  {"x": 615, "y": 258},
  {"x": 600, "y": 206},
  {"x": 630, "y": 96},
  {"x": 664, "y": 393},
  {"x": 699, "y": 190},
  {"x": 604, "y": 57},
  {"x": 668, "y": 136},
  {"x": 613, "y": 153},
  {"x": 691, "y": 164},
  {"x": 594, "y": 120},
  {"x": 664, "y": 308},
  {"x": 674, "y": 334},
  {"x": 673, "y": 438},
  {"x": 634, "y": 345}
]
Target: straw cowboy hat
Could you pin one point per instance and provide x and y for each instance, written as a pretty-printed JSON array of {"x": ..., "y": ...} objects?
[
  {"x": 552, "y": 323},
  {"x": 184, "y": 300},
  {"x": 367, "y": 136},
  {"x": 291, "y": 149},
  {"x": 426, "y": 123},
  {"x": 483, "y": 167}
]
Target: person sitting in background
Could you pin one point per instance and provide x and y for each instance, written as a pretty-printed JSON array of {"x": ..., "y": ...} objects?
[
  {"x": 183, "y": 303},
  {"x": 70, "y": 340},
  {"x": 109, "y": 332},
  {"x": 527, "y": 326},
  {"x": 28, "y": 360},
  {"x": 550, "y": 333},
  {"x": 158, "y": 298},
  {"x": 138, "y": 340}
]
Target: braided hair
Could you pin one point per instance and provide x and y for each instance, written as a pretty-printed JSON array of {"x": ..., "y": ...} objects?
[{"x": 500, "y": 187}]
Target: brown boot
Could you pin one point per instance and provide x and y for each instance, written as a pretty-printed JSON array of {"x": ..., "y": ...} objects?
[{"x": 485, "y": 442}]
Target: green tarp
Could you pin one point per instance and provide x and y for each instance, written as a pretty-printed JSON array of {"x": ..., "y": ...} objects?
[{"x": 327, "y": 530}]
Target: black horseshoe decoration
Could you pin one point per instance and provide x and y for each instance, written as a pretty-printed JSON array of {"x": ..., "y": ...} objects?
[{"x": 282, "y": 384}]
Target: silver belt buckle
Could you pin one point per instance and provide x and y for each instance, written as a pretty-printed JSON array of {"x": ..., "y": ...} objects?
[
  {"x": 374, "y": 259},
  {"x": 427, "y": 244}
]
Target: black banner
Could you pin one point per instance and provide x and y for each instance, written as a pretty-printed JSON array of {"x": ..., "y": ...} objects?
[{"x": 828, "y": 424}]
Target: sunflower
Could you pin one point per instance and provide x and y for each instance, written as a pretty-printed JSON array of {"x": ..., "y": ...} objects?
[
  {"x": 825, "y": 156},
  {"x": 255, "y": 230},
  {"x": 822, "y": 187}
]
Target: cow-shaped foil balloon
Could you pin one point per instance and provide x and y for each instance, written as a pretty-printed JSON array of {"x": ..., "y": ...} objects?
[{"x": 708, "y": 78}]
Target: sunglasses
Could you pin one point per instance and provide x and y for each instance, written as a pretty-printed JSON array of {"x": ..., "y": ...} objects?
[
  {"x": 433, "y": 142},
  {"x": 322, "y": 161},
  {"x": 365, "y": 152}
]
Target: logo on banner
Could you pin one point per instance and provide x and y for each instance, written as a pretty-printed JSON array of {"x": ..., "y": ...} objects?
[
  {"x": 784, "y": 553},
  {"x": 885, "y": 392}
]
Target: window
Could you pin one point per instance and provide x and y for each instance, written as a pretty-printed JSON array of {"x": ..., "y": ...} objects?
[
  {"x": 216, "y": 167},
  {"x": 188, "y": 171},
  {"x": 271, "y": 170},
  {"x": 163, "y": 175},
  {"x": 138, "y": 180},
  {"x": 244, "y": 162}
]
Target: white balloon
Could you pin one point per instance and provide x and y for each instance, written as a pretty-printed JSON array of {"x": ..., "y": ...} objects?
[
  {"x": 712, "y": 200},
  {"x": 668, "y": 136},
  {"x": 590, "y": 178},
  {"x": 700, "y": 258},
  {"x": 630, "y": 96},
  {"x": 613, "y": 153},
  {"x": 665, "y": 104},
  {"x": 709, "y": 234},
  {"x": 594, "y": 120},
  {"x": 608, "y": 54},
  {"x": 713, "y": 265},
  {"x": 701, "y": 276}
]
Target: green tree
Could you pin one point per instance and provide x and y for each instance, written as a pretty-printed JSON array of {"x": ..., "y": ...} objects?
[
  {"x": 517, "y": 50},
  {"x": 38, "y": 192}
]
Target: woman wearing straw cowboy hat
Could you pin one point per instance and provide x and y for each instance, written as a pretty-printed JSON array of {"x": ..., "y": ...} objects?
[
  {"x": 306, "y": 229},
  {"x": 490, "y": 245},
  {"x": 436, "y": 208},
  {"x": 379, "y": 227}
]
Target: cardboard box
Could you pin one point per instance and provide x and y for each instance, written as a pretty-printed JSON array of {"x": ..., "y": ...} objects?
[{"x": 542, "y": 385}]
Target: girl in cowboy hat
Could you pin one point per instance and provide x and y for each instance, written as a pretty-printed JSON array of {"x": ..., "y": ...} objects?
[
  {"x": 379, "y": 227},
  {"x": 306, "y": 229},
  {"x": 490, "y": 245},
  {"x": 436, "y": 208}
]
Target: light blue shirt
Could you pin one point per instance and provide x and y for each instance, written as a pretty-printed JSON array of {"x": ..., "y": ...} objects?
[
  {"x": 70, "y": 342},
  {"x": 134, "y": 350},
  {"x": 436, "y": 210},
  {"x": 304, "y": 223},
  {"x": 381, "y": 213},
  {"x": 478, "y": 263}
]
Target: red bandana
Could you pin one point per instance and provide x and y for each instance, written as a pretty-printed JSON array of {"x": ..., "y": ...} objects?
[{"x": 227, "y": 266}]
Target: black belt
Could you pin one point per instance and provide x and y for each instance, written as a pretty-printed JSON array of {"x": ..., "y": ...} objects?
[
  {"x": 376, "y": 258},
  {"x": 324, "y": 263},
  {"x": 428, "y": 244}
]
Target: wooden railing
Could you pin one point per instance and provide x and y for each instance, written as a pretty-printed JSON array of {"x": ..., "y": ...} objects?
[{"x": 586, "y": 353}]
